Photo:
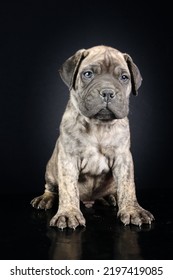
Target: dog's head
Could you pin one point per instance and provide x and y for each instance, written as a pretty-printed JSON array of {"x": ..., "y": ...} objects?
[{"x": 100, "y": 80}]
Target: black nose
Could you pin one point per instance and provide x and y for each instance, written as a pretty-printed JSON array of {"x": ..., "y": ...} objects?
[{"x": 107, "y": 94}]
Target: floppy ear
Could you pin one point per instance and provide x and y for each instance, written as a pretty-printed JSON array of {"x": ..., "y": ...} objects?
[
  {"x": 136, "y": 78},
  {"x": 68, "y": 70}
]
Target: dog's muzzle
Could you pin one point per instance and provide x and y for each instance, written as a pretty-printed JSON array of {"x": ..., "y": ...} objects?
[{"x": 107, "y": 95}]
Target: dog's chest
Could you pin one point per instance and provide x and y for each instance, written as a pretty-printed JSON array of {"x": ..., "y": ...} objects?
[
  {"x": 94, "y": 162},
  {"x": 98, "y": 154},
  {"x": 101, "y": 145}
]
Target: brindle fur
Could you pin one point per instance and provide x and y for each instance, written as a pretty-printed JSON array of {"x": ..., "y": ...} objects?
[{"x": 92, "y": 158}]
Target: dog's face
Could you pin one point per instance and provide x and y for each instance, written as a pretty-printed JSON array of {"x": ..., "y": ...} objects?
[{"x": 100, "y": 80}]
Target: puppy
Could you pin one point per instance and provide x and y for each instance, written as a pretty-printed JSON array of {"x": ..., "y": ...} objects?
[{"x": 92, "y": 158}]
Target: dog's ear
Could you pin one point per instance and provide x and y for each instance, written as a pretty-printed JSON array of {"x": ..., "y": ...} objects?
[
  {"x": 68, "y": 70},
  {"x": 136, "y": 78}
]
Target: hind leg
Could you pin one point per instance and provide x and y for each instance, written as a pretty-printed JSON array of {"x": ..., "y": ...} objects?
[
  {"x": 46, "y": 200},
  {"x": 111, "y": 200}
]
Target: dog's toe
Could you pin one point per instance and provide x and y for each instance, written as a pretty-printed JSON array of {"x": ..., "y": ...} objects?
[
  {"x": 68, "y": 219},
  {"x": 135, "y": 215},
  {"x": 44, "y": 201}
]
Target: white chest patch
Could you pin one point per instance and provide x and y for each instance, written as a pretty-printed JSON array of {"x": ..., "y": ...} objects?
[{"x": 94, "y": 162}]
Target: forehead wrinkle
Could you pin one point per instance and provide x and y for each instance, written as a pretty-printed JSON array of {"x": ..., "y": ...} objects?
[
  {"x": 107, "y": 58},
  {"x": 119, "y": 68},
  {"x": 94, "y": 64}
]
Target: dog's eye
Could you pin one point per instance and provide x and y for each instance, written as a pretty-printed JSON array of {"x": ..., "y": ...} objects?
[
  {"x": 124, "y": 78},
  {"x": 88, "y": 74}
]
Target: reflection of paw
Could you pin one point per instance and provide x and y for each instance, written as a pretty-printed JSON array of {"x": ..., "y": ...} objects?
[
  {"x": 135, "y": 215},
  {"x": 44, "y": 201},
  {"x": 71, "y": 219}
]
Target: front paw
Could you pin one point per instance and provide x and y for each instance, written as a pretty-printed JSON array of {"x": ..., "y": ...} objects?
[
  {"x": 135, "y": 215},
  {"x": 71, "y": 219}
]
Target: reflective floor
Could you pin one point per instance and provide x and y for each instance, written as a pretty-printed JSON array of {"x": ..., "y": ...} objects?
[{"x": 25, "y": 232}]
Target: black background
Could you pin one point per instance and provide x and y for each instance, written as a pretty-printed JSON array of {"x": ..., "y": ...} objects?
[{"x": 36, "y": 38}]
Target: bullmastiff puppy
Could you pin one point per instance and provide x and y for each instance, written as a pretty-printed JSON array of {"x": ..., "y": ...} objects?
[{"x": 92, "y": 158}]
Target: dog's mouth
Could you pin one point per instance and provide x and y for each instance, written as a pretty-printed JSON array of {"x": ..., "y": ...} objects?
[{"x": 105, "y": 115}]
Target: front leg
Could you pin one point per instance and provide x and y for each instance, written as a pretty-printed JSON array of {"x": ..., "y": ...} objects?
[
  {"x": 129, "y": 209},
  {"x": 69, "y": 214}
]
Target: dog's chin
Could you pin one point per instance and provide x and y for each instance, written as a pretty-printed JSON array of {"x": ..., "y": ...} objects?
[{"x": 105, "y": 115}]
